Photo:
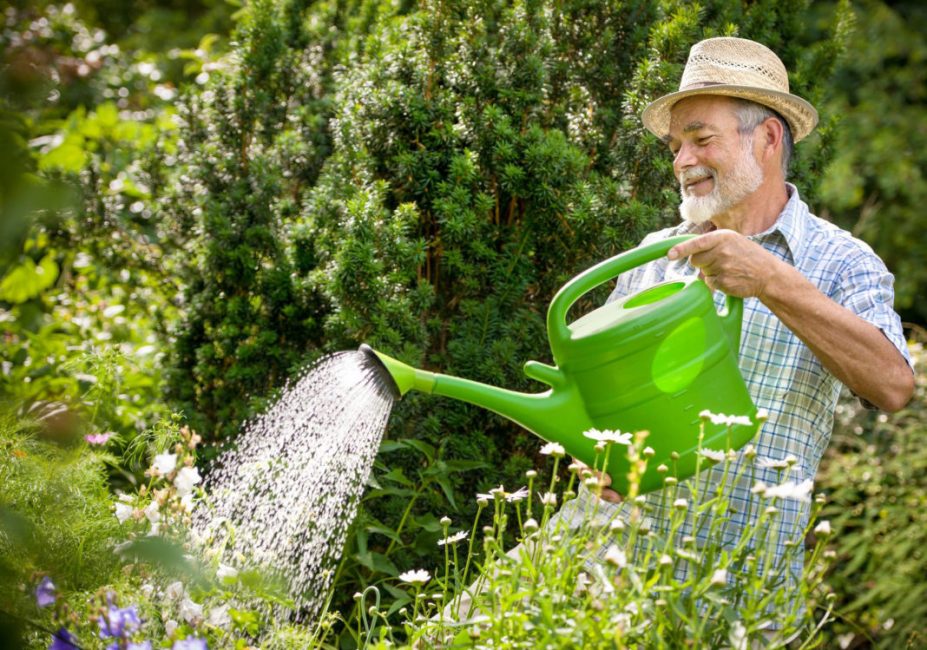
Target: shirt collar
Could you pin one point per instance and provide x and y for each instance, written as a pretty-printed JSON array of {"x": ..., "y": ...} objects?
[{"x": 791, "y": 225}]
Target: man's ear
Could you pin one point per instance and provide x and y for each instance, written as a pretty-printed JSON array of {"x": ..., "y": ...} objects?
[{"x": 771, "y": 133}]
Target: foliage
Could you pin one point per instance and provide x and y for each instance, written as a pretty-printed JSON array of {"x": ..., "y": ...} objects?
[
  {"x": 551, "y": 591},
  {"x": 876, "y": 475},
  {"x": 875, "y": 184}
]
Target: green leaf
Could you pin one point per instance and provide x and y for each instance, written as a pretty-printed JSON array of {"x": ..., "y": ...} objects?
[{"x": 27, "y": 280}]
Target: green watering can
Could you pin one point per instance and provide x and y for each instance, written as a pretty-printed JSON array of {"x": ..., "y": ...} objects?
[{"x": 651, "y": 361}]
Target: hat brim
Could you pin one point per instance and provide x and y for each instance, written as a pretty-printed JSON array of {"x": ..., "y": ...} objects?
[{"x": 801, "y": 116}]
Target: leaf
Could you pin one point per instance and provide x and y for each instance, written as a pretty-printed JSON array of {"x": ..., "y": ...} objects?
[
  {"x": 377, "y": 562},
  {"x": 27, "y": 280},
  {"x": 69, "y": 156}
]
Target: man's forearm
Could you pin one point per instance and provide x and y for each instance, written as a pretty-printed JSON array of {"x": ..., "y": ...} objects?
[{"x": 855, "y": 351}]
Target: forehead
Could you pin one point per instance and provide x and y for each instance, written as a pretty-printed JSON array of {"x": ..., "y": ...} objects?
[{"x": 702, "y": 111}]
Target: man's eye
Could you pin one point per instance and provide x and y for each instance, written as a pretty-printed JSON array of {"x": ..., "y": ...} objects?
[{"x": 705, "y": 140}]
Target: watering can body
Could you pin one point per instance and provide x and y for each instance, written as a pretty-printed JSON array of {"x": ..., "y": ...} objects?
[{"x": 651, "y": 362}]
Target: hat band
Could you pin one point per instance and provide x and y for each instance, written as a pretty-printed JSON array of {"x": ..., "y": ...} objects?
[{"x": 701, "y": 84}]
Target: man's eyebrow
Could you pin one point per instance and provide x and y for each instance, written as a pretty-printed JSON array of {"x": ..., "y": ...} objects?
[{"x": 688, "y": 128}]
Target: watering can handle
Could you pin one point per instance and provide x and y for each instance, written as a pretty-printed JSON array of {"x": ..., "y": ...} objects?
[{"x": 611, "y": 268}]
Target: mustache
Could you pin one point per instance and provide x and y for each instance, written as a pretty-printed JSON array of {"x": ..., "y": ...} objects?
[{"x": 694, "y": 173}]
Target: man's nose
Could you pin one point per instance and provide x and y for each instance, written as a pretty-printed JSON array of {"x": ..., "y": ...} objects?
[{"x": 684, "y": 159}]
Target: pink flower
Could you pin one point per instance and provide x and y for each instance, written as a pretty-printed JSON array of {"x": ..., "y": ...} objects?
[{"x": 98, "y": 438}]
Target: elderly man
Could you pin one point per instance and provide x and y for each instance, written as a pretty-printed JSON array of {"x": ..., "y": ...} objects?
[{"x": 817, "y": 303}]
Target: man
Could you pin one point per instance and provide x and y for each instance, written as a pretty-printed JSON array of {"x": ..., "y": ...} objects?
[{"x": 817, "y": 302}]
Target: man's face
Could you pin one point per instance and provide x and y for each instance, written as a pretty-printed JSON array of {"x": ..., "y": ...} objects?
[{"x": 713, "y": 162}]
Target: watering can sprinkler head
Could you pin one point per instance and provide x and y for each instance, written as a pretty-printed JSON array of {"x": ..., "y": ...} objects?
[
  {"x": 650, "y": 361},
  {"x": 397, "y": 376}
]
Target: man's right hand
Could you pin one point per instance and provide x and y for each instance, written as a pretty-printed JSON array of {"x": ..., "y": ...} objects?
[{"x": 605, "y": 480}]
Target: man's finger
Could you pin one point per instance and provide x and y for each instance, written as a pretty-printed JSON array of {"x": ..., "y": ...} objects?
[{"x": 700, "y": 244}]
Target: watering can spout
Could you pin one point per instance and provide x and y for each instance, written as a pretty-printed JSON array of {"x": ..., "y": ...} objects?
[{"x": 544, "y": 414}]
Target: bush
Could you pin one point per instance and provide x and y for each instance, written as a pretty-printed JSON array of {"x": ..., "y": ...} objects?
[{"x": 875, "y": 472}]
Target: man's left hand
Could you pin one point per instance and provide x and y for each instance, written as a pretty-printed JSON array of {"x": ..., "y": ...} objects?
[{"x": 729, "y": 262}]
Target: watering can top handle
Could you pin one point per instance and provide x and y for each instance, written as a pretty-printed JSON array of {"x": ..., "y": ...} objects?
[{"x": 611, "y": 268}]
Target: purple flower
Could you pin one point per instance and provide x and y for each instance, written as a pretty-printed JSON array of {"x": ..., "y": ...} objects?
[
  {"x": 45, "y": 592},
  {"x": 190, "y": 643},
  {"x": 144, "y": 645},
  {"x": 119, "y": 623},
  {"x": 63, "y": 640},
  {"x": 98, "y": 438}
]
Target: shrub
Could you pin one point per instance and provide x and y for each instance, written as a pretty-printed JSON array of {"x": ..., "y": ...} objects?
[{"x": 875, "y": 472}]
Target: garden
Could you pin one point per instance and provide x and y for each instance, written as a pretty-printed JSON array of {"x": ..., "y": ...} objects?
[{"x": 202, "y": 200}]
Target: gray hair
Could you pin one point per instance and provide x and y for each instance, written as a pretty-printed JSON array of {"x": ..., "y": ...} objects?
[{"x": 750, "y": 115}]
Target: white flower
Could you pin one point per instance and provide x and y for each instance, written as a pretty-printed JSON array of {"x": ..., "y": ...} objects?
[
  {"x": 518, "y": 495},
  {"x": 416, "y": 577},
  {"x": 190, "y": 611},
  {"x": 758, "y": 488},
  {"x": 609, "y": 436},
  {"x": 155, "y": 529},
  {"x": 147, "y": 589},
  {"x": 791, "y": 490},
  {"x": 681, "y": 504},
  {"x": 164, "y": 463},
  {"x": 453, "y": 539},
  {"x": 719, "y": 577},
  {"x": 186, "y": 502},
  {"x": 616, "y": 556},
  {"x": 771, "y": 463},
  {"x": 219, "y": 616},
  {"x": 762, "y": 414},
  {"x": 123, "y": 512},
  {"x": 823, "y": 528},
  {"x": 738, "y": 636},
  {"x": 170, "y": 627},
  {"x": 186, "y": 478},
  {"x": 226, "y": 572},
  {"x": 174, "y": 591},
  {"x": 553, "y": 449},
  {"x": 726, "y": 420},
  {"x": 549, "y": 499},
  {"x": 665, "y": 560},
  {"x": 153, "y": 513},
  {"x": 711, "y": 454}
]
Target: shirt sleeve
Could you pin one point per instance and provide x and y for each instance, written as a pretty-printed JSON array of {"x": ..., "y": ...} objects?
[{"x": 866, "y": 288}]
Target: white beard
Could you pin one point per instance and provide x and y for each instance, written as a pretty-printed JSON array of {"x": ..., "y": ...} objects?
[{"x": 726, "y": 192}]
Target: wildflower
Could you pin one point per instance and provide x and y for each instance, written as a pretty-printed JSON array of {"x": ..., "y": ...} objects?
[
  {"x": 711, "y": 454},
  {"x": 531, "y": 525},
  {"x": 164, "y": 463},
  {"x": 495, "y": 493},
  {"x": 726, "y": 420},
  {"x": 190, "y": 643},
  {"x": 758, "y": 488},
  {"x": 152, "y": 512},
  {"x": 574, "y": 468},
  {"x": 762, "y": 415},
  {"x": 662, "y": 469},
  {"x": 553, "y": 449},
  {"x": 616, "y": 557},
  {"x": 616, "y": 525},
  {"x": 592, "y": 482},
  {"x": 123, "y": 511},
  {"x": 609, "y": 436},
  {"x": 119, "y": 623},
  {"x": 191, "y": 611},
  {"x": 45, "y": 592},
  {"x": 719, "y": 578},
  {"x": 549, "y": 499},
  {"x": 791, "y": 490},
  {"x": 738, "y": 636},
  {"x": 63, "y": 640},
  {"x": 186, "y": 502},
  {"x": 770, "y": 463},
  {"x": 649, "y": 452},
  {"x": 186, "y": 478},
  {"x": 749, "y": 451},
  {"x": 219, "y": 616},
  {"x": 823, "y": 528},
  {"x": 226, "y": 572},
  {"x": 174, "y": 591},
  {"x": 98, "y": 438},
  {"x": 531, "y": 474},
  {"x": 445, "y": 521},
  {"x": 453, "y": 539},
  {"x": 518, "y": 495},
  {"x": 665, "y": 560},
  {"x": 416, "y": 577},
  {"x": 680, "y": 504}
]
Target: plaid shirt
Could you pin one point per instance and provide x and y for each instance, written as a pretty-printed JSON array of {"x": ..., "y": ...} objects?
[{"x": 782, "y": 374}]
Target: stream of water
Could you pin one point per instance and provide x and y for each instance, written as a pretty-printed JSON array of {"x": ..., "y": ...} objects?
[{"x": 290, "y": 489}]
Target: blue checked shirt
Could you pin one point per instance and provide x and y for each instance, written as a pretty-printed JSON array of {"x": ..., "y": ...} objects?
[{"x": 781, "y": 373}]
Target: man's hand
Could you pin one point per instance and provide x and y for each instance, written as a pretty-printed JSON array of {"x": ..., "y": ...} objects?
[
  {"x": 604, "y": 481},
  {"x": 730, "y": 262}
]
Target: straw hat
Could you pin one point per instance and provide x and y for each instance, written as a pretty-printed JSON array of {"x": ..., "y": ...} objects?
[{"x": 735, "y": 67}]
